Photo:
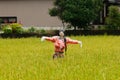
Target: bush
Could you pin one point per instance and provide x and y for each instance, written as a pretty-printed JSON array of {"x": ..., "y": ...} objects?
[
  {"x": 16, "y": 28},
  {"x": 42, "y": 31},
  {"x": 32, "y": 30},
  {"x": 102, "y": 27},
  {"x": 7, "y": 29},
  {"x": 12, "y": 28},
  {"x": 19, "y": 30}
]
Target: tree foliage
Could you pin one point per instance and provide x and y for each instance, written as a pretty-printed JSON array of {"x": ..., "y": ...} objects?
[
  {"x": 113, "y": 19},
  {"x": 78, "y": 13}
]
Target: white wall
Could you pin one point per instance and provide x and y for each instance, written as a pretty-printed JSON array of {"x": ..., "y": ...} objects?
[{"x": 30, "y": 12}]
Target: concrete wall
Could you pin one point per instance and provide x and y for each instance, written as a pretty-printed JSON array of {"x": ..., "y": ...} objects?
[{"x": 30, "y": 12}]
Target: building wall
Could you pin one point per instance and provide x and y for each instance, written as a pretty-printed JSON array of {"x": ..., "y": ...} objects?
[{"x": 30, "y": 12}]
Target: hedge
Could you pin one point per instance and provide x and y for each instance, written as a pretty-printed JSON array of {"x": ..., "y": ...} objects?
[{"x": 67, "y": 33}]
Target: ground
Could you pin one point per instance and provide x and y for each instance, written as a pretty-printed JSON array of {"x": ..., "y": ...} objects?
[{"x": 31, "y": 59}]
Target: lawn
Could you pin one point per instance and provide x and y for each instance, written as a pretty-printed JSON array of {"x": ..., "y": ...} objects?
[{"x": 31, "y": 59}]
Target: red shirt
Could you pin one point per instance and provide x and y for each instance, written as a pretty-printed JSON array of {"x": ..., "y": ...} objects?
[{"x": 59, "y": 43}]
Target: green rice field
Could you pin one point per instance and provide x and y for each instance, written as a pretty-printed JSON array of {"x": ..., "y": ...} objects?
[{"x": 31, "y": 59}]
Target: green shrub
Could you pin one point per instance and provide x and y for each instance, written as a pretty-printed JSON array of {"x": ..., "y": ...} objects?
[
  {"x": 16, "y": 27},
  {"x": 7, "y": 29},
  {"x": 102, "y": 27},
  {"x": 20, "y": 30},
  {"x": 42, "y": 31},
  {"x": 25, "y": 31},
  {"x": 38, "y": 31},
  {"x": 12, "y": 28},
  {"x": 32, "y": 30}
]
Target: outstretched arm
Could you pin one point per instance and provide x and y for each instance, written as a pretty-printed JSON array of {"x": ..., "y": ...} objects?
[
  {"x": 70, "y": 41},
  {"x": 52, "y": 39}
]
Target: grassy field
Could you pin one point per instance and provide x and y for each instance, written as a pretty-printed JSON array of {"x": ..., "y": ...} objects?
[{"x": 30, "y": 59}]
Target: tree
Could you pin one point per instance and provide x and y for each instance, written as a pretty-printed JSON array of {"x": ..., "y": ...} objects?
[
  {"x": 113, "y": 19},
  {"x": 78, "y": 13}
]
